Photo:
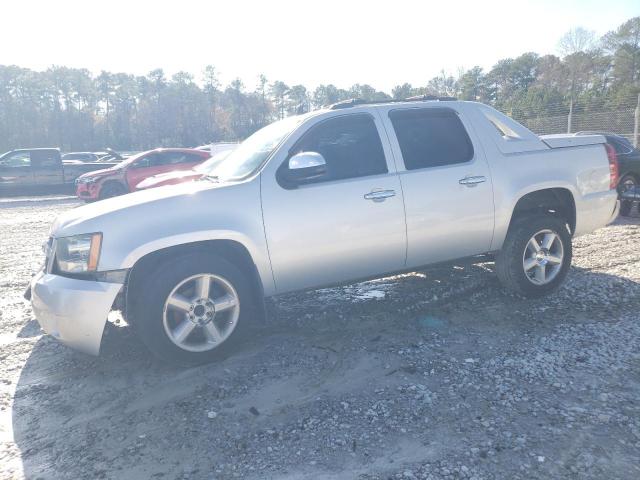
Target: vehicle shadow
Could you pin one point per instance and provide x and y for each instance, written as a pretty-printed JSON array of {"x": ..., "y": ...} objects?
[{"x": 76, "y": 416}]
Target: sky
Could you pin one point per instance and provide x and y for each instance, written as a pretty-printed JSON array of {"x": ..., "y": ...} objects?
[{"x": 382, "y": 43}]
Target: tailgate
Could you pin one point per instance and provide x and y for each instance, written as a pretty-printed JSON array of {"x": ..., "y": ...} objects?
[{"x": 570, "y": 140}]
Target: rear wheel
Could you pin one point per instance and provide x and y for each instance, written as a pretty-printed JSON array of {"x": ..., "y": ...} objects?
[
  {"x": 112, "y": 189},
  {"x": 625, "y": 208},
  {"x": 536, "y": 255},
  {"x": 193, "y": 309},
  {"x": 626, "y": 183}
]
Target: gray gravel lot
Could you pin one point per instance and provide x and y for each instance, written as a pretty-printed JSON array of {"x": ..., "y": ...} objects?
[{"x": 436, "y": 374}]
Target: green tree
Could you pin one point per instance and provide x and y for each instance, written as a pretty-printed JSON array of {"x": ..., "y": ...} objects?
[{"x": 279, "y": 91}]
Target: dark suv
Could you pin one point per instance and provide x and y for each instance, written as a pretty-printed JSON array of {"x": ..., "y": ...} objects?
[{"x": 629, "y": 165}]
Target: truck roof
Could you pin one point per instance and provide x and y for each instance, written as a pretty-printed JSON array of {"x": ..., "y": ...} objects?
[{"x": 355, "y": 102}]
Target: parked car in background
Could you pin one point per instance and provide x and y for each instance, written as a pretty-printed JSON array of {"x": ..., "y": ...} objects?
[
  {"x": 81, "y": 156},
  {"x": 125, "y": 176},
  {"x": 337, "y": 195},
  {"x": 182, "y": 176},
  {"x": 28, "y": 168},
  {"x": 629, "y": 164},
  {"x": 108, "y": 155},
  {"x": 219, "y": 147}
]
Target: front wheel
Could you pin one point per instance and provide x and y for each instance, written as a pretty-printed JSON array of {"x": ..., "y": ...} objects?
[
  {"x": 536, "y": 255},
  {"x": 193, "y": 309}
]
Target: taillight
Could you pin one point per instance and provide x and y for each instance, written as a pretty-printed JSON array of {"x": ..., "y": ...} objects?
[{"x": 614, "y": 171}]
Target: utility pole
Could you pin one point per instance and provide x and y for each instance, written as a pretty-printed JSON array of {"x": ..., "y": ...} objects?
[
  {"x": 636, "y": 140},
  {"x": 570, "y": 117}
]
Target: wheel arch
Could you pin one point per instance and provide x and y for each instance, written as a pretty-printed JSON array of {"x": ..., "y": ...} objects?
[
  {"x": 557, "y": 200},
  {"x": 112, "y": 181},
  {"x": 231, "y": 250}
]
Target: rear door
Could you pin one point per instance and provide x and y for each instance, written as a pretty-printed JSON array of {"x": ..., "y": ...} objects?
[
  {"x": 47, "y": 167},
  {"x": 446, "y": 183},
  {"x": 15, "y": 169}
]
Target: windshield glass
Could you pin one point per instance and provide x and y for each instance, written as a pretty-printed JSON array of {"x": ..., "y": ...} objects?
[
  {"x": 205, "y": 167},
  {"x": 251, "y": 153},
  {"x": 131, "y": 159}
]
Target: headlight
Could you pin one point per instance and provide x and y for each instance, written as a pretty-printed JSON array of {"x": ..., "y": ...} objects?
[{"x": 79, "y": 253}]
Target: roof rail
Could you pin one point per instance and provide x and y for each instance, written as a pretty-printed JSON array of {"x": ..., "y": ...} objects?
[
  {"x": 353, "y": 102},
  {"x": 422, "y": 98}
]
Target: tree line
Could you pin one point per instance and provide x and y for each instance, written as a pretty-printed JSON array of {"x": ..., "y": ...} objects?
[{"x": 75, "y": 110}]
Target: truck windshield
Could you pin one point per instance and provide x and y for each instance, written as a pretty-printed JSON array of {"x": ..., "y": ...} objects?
[{"x": 251, "y": 153}]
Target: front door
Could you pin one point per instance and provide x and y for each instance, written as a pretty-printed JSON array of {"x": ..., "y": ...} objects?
[
  {"x": 15, "y": 169},
  {"x": 345, "y": 225}
]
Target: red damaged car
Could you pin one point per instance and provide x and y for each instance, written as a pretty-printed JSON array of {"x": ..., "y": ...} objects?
[
  {"x": 125, "y": 176},
  {"x": 182, "y": 176}
]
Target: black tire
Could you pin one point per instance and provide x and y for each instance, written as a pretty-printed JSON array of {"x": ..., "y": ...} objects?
[
  {"x": 509, "y": 260},
  {"x": 112, "y": 189},
  {"x": 625, "y": 208},
  {"x": 148, "y": 309},
  {"x": 627, "y": 182}
]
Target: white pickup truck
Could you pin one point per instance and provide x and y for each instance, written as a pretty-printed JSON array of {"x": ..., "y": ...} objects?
[{"x": 348, "y": 193}]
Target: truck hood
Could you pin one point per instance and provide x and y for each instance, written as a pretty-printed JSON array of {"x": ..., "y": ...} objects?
[
  {"x": 139, "y": 223},
  {"x": 94, "y": 217},
  {"x": 101, "y": 172}
]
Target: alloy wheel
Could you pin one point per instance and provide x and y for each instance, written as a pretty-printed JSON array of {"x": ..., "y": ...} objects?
[
  {"x": 201, "y": 312},
  {"x": 543, "y": 257}
]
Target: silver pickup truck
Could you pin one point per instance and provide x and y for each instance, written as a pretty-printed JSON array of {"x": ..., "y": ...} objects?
[{"x": 348, "y": 193}]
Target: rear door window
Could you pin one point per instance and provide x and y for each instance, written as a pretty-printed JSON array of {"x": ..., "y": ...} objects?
[
  {"x": 45, "y": 159},
  {"x": 431, "y": 137}
]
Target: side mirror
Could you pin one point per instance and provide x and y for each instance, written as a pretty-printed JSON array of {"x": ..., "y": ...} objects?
[{"x": 305, "y": 166}]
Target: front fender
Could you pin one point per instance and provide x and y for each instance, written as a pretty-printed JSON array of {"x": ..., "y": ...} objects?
[{"x": 259, "y": 258}]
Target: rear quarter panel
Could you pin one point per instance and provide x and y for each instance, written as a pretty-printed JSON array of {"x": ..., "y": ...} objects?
[{"x": 582, "y": 170}]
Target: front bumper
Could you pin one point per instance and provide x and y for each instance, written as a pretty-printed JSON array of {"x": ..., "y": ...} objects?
[{"x": 71, "y": 310}]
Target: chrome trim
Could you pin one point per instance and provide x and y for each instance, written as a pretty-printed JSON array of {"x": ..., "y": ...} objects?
[
  {"x": 471, "y": 181},
  {"x": 379, "y": 195}
]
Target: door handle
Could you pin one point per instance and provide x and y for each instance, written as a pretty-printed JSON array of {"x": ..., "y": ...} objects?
[
  {"x": 379, "y": 195},
  {"x": 471, "y": 181}
]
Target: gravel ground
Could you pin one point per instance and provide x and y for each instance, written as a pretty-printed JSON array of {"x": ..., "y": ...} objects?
[{"x": 435, "y": 374}]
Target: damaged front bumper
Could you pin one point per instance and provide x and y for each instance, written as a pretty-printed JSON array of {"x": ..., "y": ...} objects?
[{"x": 71, "y": 310}]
